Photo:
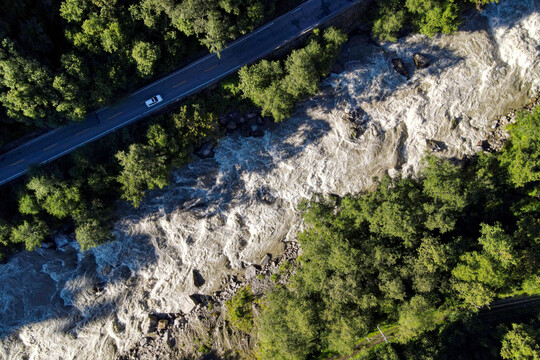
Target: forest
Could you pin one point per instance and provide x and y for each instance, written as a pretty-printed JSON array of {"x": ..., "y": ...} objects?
[{"x": 417, "y": 253}]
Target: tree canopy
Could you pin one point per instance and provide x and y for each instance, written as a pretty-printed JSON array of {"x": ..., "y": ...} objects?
[{"x": 275, "y": 86}]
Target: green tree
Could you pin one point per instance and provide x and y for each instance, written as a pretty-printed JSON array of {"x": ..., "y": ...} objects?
[
  {"x": 275, "y": 89},
  {"x": 390, "y": 209},
  {"x": 415, "y": 317},
  {"x": 255, "y": 79},
  {"x": 146, "y": 56},
  {"x": 381, "y": 352},
  {"x": 28, "y": 205},
  {"x": 476, "y": 279},
  {"x": 76, "y": 67},
  {"x": 344, "y": 333},
  {"x": 27, "y": 94},
  {"x": 203, "y": 19},
  {"x": 91, "y": 233},
  {"x": 216, "y": 33},
  {"x": 521, "y": 343},
  {"x": 58, "y": 198},
  {"x": 158, "y": 138},
  {"x": 71, "y": 105},
  {"x": 5, "y": 232},
  {"x": 480, "y": 3},
  {"x": 333, "y": 39},
  {"x": 431, "y": 260},
  {"x": 287, "y": 328},
  {"x": 240, "y": 309},
  {"x": 391, "y": 19},
  {"x": 74, "y": 10},
  {"x": 443, "y": 184},
  {"x": 31, "y": 234},
  {"x": 113, "y": 37},
  {"x": 433, "y": 16},
  {"x": 521, "y": 154},
  {"x": 498, "y": 245},
  {"x": 142, "y": 169},
  {"x": 277, "y": 102},
  {"x": 190, "y": 125},
  {"x": 302, "y": 75}
]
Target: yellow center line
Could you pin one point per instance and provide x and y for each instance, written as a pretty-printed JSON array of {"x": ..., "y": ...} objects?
[
  {"x": 115, "y": 115},
  {"x": 210, "y": 68},
  {"x": 81, "y": 132},
  {"x": 180, "y": 83},
  {"x": 18, "y": 162},
  {"x": 50, "y": 147}
]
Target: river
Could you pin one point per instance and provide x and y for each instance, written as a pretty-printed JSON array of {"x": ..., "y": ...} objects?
[{"x": 63, "y": 304}]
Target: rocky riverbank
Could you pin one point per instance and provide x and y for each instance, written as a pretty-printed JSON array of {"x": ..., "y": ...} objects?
[
  {"x": 206, "y": 331},
  {"x": 498, "y": 136}
]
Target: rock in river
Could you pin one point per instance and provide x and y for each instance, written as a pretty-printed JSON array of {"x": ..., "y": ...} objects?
[
  {"x": 206, "y": 150},
  {"x": 400, "y": 67},
  {"x": 245, "y": 130},
  {"x": 421, "y": 61}
]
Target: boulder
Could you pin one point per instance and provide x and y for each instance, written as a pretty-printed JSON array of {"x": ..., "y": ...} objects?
[
  {"x": 61, "y": 240},
  {"x": 266, "y": 260},
  {"x": 357, "y": 116},
  {"x": 337, "y": 67},
  {"x": 258, "y": 133},
  {"x": 223, "y": 121},
  {"x": 251, "y": 272},
  {"x": 245, "y": 130},
  {"x": 198, "y": 280},
  {"x": 206, "y": 150},
  {"x": 118, "y": 327},
  {"x": 399, "y": 66},
  {"x": 433, "y": 146},
  {"x": 195, "y": 299},
  {"x": 265, "y": 196},
  {"x": 231, "y": 126},
  {"x": 149, "y": 324},
  {"x": 484, "y": 145},
  {"x": 98, "y": 288},
  {"x": 186, "y": 304},
  {"x": 179, "y": 321},
  {"x": 162, "y": 324},
  {"x": 421, "y": 61}
]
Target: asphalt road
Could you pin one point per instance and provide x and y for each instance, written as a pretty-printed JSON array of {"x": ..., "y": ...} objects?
[{"x": 172, "y": 87}]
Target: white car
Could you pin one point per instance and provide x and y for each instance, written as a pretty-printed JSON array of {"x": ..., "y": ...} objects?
[{"x": 153, "y": 101}]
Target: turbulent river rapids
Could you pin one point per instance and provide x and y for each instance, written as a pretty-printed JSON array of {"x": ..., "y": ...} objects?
[{"x": 58, "y": 303}]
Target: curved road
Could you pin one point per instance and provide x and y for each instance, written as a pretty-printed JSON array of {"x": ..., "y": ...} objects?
[{"x": 172, "y": 87}]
